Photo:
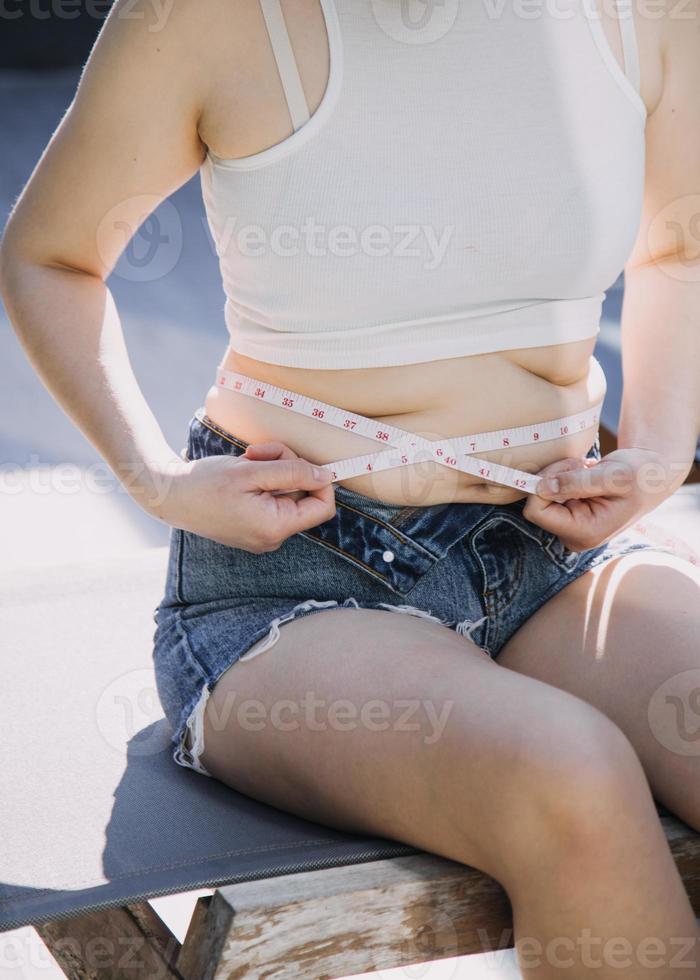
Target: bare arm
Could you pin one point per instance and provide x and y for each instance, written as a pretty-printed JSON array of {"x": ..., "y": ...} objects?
[
  {"x": 661, "y": 308},
  {"x": 660, "y": 415},
  {"x": 128, "y": 140}
]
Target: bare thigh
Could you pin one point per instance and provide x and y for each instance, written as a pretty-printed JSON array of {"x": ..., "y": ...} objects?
[
  {"x": 396, "y": 726},
  {"x": 625, "y": 637}
]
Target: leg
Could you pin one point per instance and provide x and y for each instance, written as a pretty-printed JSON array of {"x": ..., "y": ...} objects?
[
  {"x": 419, "y": 737},
  {"x": 628, "y": 641}
]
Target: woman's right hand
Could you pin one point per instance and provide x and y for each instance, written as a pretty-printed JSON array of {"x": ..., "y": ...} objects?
[{"x": 253, "y": 501}]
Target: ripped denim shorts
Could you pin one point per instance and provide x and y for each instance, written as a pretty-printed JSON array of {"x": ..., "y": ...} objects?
[{"x": 479, "y": 569}]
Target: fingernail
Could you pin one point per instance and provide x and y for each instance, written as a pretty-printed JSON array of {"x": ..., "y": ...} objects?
[
  {"x": 549, "y": 485},
  {"x": 321, "y": 474}
]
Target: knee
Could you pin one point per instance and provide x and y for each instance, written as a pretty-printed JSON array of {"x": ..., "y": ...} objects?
[
  {"x": 578, "y": 791},
  {"x": 594, "y": 781}
]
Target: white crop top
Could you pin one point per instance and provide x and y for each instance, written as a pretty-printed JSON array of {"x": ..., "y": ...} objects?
[{"x": 470, "y": 182}]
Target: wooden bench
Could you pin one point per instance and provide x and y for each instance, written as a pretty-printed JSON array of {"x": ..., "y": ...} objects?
[{"x": 323, "y": 924}]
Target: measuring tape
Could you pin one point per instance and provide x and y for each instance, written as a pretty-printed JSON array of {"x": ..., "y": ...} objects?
[{"x": 403, "y": 447}]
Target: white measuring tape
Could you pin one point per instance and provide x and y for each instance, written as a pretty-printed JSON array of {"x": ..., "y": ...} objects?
[{"x": 407, "y": 447}]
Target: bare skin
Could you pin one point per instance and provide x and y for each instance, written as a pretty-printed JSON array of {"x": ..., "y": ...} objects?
[
  {"x": 542, "y": 773},
  {"x": 619, "y": 647},
  {"x": 506, "y": 773}
]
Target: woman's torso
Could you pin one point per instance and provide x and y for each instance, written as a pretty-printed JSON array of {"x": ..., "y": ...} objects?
[{"x": 245, "y": 113}]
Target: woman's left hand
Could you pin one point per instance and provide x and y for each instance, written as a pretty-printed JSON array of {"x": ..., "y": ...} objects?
[{"x": 595, "y": 500}]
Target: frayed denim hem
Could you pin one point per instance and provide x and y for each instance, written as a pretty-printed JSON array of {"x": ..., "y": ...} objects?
[{"x": 191, "y": 744}]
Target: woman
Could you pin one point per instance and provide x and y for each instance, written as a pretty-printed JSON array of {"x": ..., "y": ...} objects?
[{"x": 416, "y": 220}]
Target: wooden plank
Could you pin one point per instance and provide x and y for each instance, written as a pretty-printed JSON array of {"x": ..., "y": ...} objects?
[
  {"x": 320, "y": 925},
  {"x": 209, "y": 928},
  {"x": 127, "y": 943},
  {"x": 685, "y": 847},
  {"x": 360, "y": 918},
  {"x": 156, "y": 931},
  {"x": 340, "y": 921}
]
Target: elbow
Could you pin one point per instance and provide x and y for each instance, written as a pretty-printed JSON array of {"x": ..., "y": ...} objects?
[{"x": 19, "y": 252}]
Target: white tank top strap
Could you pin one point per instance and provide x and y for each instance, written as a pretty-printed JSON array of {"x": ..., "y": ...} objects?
[
  {"x": 286, "y": 62},
  {"x": 628, "y": 34}
]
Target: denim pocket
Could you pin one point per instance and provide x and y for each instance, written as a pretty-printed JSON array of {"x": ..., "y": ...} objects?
[
  {"x": 520, "y": 563},
  {"x": 550, "y": 543},
  {"x": 499, "y": 548},
  {"x": 505, "y": 546},
  {"x": 562, "y": 556}
]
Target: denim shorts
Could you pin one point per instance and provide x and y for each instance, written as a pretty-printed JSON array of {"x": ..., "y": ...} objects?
[{"x": 479, "y": 569}]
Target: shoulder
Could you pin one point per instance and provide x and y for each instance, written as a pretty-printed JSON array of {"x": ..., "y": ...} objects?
[
  {"x": 178, "y": 31},
  {"x": 680, "y": 41},
  {"x": 668, "y": 35}
]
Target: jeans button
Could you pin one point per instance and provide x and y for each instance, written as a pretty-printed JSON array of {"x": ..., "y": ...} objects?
[{"x": 388, "y": 556}]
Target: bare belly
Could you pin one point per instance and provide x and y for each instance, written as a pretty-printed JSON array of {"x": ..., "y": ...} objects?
[{"x": 435, "y": 399}]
